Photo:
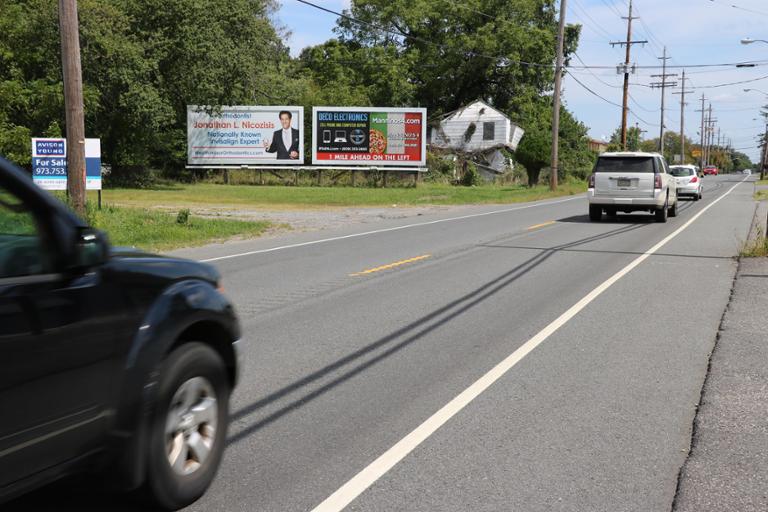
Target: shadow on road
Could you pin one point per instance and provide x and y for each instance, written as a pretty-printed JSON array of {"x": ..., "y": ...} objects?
[
  {"x": 70, "y": 495},
  {"x": 626, "y": 218},
  {"x": 396, "y": 341}
]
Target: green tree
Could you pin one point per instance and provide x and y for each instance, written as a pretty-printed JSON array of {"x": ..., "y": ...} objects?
[
  {"x": 143, "y": 62},
  {"x": 634, "y": 139},
  {"x": 456, "y": 53}
]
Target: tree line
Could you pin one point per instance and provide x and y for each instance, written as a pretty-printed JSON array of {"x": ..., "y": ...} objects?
[
  {"x": 724, "y": 157},
  {"x": 144, "y": 61}
]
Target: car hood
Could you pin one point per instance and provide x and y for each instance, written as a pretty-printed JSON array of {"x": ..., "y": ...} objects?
[{"x": 137, "y": 264}]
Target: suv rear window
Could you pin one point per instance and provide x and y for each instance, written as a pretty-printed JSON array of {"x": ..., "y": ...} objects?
[
  {"x": 625, "y": 164},
  {"x": 681, "y": 171}
]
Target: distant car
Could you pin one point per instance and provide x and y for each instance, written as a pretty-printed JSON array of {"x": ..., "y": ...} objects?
[
  {"x": 688, "y": 181},
  {"x": 627, "y": 182},
  {"x": 747, "y": 171},
  {"x": 710, "y": 170},
  {"x": 112, "y": 361}
]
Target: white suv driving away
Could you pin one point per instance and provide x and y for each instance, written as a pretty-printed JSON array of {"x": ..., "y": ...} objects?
[{"x": 628, "y": 182}]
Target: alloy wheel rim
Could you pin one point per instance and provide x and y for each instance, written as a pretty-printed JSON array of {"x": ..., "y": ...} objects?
[{"x": 190, "y": 427}]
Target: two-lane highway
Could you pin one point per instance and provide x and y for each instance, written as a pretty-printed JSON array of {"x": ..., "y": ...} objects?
[
  {"x": 504, "y": 358},
  {"x": 357, "y": 341}
]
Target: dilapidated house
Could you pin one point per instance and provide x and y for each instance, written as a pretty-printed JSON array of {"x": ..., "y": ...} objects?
[{"x": 478, "y": 132}]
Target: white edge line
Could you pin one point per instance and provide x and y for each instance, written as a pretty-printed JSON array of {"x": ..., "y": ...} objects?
[
  {"x": 396, "y": 228},
  {"x": 379, "y": 467}
]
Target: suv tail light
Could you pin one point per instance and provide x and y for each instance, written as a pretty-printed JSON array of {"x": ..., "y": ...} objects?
[
  {"x": 657, "y": 182},
  {"x": 591, "y": 181},
  {"x": 694, "y": 180}
]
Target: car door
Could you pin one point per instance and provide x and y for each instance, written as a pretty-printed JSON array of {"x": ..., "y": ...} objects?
[{"x": 56, "y": 344}]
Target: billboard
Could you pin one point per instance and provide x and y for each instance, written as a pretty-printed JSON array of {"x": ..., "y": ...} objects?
[
  {"x": 235, "y": 136},
  {"x": 369, "y": 136},
  {"x": 49, "y": 163}
]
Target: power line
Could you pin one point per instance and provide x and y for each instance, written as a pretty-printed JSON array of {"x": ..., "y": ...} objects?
[
  {"x": 731, "y": 83},
  {"x": 506, "y": 61},
  {"x": 610, "y": 102},
  {"x": 742, "y": 8}
]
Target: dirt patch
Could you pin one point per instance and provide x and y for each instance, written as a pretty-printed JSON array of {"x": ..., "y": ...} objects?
[{"x": 315, "y": 220}]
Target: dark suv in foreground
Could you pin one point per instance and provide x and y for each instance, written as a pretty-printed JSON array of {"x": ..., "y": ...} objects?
[{"x": 112, "y": 361}]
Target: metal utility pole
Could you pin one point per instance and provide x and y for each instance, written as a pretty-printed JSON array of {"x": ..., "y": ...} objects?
[
  {"x": 626, "y": 69},
  {"x": 683, "y": 104},
  {"x": 73, "y": 102},
  {"x": 663, "y": 85},
  {"x": 556, "y": 98}
]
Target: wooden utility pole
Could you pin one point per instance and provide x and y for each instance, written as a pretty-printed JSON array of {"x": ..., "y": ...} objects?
[
  {"x": 765, "y": 154},
  {"x": 710, "y": 134},
  {"x": 626, "y": 68},
  {"x": 663, "y": 86},
  {"x": 701, "y": 133},
  {"x": 73, "y": 102},
  {"x": 683, "y": 104},
  {"x": 556, "y": 98}
]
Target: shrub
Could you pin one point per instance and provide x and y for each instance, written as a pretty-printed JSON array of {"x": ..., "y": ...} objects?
[
  {"x": 183, "y": 217},
  {"x": 471, "y": 176}
]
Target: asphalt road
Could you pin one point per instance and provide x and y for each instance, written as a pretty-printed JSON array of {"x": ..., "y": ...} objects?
[{"x": 356, "y": 339}]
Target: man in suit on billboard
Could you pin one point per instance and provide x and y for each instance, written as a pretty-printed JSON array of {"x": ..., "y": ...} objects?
[{"x": 285, "y": 142}]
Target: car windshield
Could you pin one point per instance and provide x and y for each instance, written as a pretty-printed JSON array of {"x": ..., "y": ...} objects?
[
  {"x": 681, "y": 171},
  {"x": 625, "y": 164}
]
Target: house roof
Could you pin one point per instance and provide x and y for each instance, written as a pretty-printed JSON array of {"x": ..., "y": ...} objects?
[{"x": 459, "y": 111}]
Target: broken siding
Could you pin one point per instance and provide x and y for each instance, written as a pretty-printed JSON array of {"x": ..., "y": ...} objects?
[{"x": 455, "y": 131}]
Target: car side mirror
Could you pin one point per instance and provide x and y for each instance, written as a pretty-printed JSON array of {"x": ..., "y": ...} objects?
[{"x": 91, "y": 249}]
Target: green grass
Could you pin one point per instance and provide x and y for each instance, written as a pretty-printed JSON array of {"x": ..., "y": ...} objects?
[
  {"x": 756, "y": 247},
  {"x": 282, "y": 197},
  {"x": 761, "y": 195},
  {"x": 157, "y": 231}
]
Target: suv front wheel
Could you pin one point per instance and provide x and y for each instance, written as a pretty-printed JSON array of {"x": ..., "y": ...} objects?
[{"x": 188, "y": 427}]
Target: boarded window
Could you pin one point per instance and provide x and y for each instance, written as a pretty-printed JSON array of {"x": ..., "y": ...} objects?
[{"x": 489, "y": 131}]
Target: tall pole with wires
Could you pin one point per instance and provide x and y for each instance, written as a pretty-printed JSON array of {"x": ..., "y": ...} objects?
[
  {"x": 765, "y": 153},
  {"x": 556, "y": 98},
  {"x": 626, "y": 69},
  {"x": 701, "y": 133},
  {"x": 683, "y": 104},
  {"x": 663, "y": 86},
  {"x": 73, "y": 102}
]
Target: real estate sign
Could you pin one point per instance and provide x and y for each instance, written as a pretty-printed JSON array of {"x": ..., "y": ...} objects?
[
  {"x": 49, "y": 163},
  {"x": 236, "y": 136},
  {"x": 369, "y": 136}
]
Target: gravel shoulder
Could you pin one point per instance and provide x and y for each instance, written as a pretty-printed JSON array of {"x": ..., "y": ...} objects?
[{"x": 322, "y": 219}]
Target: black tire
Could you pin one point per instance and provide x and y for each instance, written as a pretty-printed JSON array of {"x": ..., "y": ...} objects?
[
  {"x": 701, "y": 195},
  {"x": 164, "y": 485},
  {"x": 673, "y": 209},
  {"x": 661, "y": 213},
  {"x": 595, "y": 213},
  {"x": 696, "y": 197}
]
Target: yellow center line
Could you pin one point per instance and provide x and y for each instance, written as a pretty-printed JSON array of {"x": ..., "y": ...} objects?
[
  {"x": 543, "y": 224},
  {"x": 390, "y": 265}
]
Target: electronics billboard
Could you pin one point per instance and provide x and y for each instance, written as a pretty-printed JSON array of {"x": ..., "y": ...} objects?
[{"x": 369, "y": 136}]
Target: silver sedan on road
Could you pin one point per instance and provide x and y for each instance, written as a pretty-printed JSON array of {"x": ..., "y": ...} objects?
[{"x": 688, "y": 181}]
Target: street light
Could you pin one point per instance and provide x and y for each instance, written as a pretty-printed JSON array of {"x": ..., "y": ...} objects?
[
  {"x": 756, "y": 90},
  {"x": 748, "y": 40}
]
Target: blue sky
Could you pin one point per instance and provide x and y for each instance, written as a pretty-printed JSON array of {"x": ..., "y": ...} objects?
[{"x": 694, "y": 31}]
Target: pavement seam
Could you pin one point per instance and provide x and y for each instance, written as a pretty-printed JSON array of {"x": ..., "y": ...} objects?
[{"x": 695, "y": 424}]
